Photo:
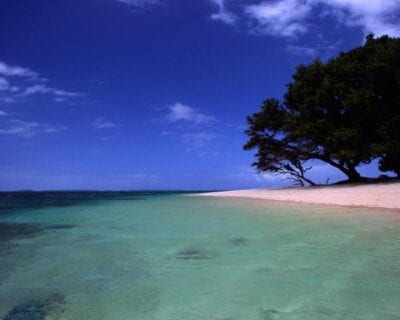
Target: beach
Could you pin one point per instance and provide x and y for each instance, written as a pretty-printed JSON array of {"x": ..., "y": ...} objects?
[{"x": 385, "y": 195}]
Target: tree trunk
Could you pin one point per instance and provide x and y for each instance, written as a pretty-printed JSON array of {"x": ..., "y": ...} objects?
[
  {"x": 310, "y": 182},
  {"x": 352, "y": 174}
]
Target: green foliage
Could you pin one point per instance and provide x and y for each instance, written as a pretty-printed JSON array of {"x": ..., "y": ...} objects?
[{"x": 345, "y": 112}]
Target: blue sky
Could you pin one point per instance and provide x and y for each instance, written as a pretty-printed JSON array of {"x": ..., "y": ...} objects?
[{"x": 153, "y": 94}]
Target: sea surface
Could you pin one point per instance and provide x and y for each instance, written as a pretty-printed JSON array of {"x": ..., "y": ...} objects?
[{"x": 173, "y": 256}]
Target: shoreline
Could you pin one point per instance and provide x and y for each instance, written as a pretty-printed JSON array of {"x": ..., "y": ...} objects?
[{"x": 382, "y": 195}]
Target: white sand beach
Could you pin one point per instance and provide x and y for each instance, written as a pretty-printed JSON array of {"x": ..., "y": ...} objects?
[{"x": 384, "y": 195}]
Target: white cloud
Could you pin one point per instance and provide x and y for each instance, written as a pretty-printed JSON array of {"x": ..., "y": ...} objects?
[
  {"x": 280, "y": 18},
  {"x": 291, "y": 18},
  {"x": 377, "y": 16},
  {"x": 223, "y": 14},
  {"x": 102, "y": 123},
  {"x": 28, "y": 129},
  {"x": 29, "y": 83},
  {"x": 3, "y": 113},
  {"x": 5, "y": 85},
  {"x": 16, "y": 71},
  {"x": 182, "y": 112},
  {"x": 190, "y": 119},
  {"x": 43, "y": 89}
]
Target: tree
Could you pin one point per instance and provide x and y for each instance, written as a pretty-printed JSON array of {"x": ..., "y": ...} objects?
[
  {"x": 345, "y": 112},
  {"x": 275, "y": 153}
]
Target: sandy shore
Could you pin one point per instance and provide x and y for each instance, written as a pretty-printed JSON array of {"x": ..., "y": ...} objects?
[{"x": 370, "y": 195}]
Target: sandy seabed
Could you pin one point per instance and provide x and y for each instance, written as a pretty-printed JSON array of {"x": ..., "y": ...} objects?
[{"x": 384, "y": 195}]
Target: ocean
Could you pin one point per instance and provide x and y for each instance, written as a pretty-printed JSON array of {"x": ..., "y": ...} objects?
[{"x": 172, "y": 256}]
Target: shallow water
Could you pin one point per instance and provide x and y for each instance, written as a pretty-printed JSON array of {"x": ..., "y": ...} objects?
[{"x": 173, "y": 256}]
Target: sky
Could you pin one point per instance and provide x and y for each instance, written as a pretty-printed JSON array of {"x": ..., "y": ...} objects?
[{"x": 153, "y": 94}]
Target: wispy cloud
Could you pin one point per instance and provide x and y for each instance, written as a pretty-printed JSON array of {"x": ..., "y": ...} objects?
[
  {"x": 16, "y": 71},
  {"x": 29, "y": 83},
  {"x": 103, "y": 123},
  {"x": 5, "y": 85},
  {"x": 197, "y": 140},
  {"x": 138, "y": 3},
  {"x": 222, "y": 13},
  {"x": 182, "y": 112},
  {"x": 297, "y": 22},
  {"x": 312, "y": 51},
  {"x": 43, "y": 89},
  {"x": 191, "y": 127},
  {"x": 377, "y": 16},
  {"x": 292, "y": 18},
  {"x": 3, "y": 113},
  {"x": 27, "y": 129},
  {"x": 284, "y": 18}
]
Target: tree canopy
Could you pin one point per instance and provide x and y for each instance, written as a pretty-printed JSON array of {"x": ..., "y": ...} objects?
[{"x": 344, "y": 112}]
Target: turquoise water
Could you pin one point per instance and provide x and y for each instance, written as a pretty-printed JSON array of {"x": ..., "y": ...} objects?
[{"x": 174, "y": 256}]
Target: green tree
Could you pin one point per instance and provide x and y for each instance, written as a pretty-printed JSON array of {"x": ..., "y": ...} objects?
[{"x": 344, "y": 112}]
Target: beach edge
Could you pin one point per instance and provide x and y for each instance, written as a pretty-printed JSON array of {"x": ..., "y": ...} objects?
[{"x": 382, "y": 195}]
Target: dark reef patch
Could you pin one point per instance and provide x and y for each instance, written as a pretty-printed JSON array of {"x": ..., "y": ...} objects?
[
  {"x": 12, "y": 231},
  {"x": 35, "y": 309},
  {"x": 27, "y": 311},
  {"x": 17, "y": 201},
  {"x": 13, "y": 202},
  {"x": 192, "y": 254},
  {"x": 239, "y": 241}
]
